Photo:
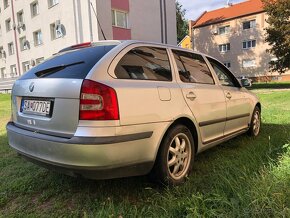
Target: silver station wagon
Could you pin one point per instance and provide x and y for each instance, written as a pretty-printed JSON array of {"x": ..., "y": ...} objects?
[{"x": 116, "y": 109}]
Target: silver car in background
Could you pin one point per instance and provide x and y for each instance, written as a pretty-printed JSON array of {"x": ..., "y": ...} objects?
[{"x": 115, "y": 109}]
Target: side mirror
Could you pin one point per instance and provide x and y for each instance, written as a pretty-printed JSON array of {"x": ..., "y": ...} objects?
[{"x": 246, "y": 83}]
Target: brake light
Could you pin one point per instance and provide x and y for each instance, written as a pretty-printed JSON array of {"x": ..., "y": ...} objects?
[
  {"x": 82, "y": 45},
  {"x": 98, "y": 102}
]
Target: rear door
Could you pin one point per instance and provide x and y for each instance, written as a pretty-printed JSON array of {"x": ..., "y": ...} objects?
[
  {"x": 238, "y": 106},
  {"x": 205, "y": 99},
  {"x": 144, "y": 85},
  {"x": 46, "y": 98}
]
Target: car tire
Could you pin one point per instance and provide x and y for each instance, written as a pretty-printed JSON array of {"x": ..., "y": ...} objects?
[
  {"x": 175, "y": 156},
  {"x": 255, "y": 124}
]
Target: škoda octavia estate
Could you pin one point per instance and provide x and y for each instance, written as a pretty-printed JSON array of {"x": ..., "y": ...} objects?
[{"x": 116, "y": 109}]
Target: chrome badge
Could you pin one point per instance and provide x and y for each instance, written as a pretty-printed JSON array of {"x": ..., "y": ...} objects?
[{"x": 31, "y": 87}]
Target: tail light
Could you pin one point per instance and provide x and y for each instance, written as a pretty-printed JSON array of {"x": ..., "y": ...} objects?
[{"x": 98, "y": 102}]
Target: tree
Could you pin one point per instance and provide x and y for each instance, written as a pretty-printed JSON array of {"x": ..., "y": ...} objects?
[
  {"x": 278, "y": 33},
  {"x": 181, "y": 22}
]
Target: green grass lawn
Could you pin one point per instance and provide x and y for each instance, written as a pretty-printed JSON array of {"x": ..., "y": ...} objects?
[
  {"x": 244, "y": 177},
  {"x": 271, "y": 85}
]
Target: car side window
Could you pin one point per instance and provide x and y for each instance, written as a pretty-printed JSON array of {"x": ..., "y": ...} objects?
[
  {"x": 225, "y": 77},
  {"x": 192, "y": 68},
  {"x": 145, "y": 63}
]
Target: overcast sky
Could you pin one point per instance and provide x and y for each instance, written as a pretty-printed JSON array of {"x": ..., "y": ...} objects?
[{"x": 194, "y": 8}]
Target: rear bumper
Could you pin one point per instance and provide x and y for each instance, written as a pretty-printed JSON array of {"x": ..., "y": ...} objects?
[{"x": 91, "y": 157}]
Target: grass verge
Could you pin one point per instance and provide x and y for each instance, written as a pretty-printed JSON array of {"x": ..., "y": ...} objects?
[{"x": 243, "y": 177}]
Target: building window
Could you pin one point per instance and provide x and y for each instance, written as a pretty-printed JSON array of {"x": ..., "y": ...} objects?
[
  {"x": 6, "y": 4},
  {"x": 52, "y": 3},
  {"x": 8, "y": 25},
  {"x": 25, "y": 66},
  {"x": 56, "y": 31},
  {"x": 23, "y": 43},
  {"x": 119, "y": 19},
  {"x": 249, "y": 24},
  {"x": 0, "y": 31},
  {"x": 224, "y": 47},
  {"x": 37, "y": 36},
  {"x": 1, "y": 52},
  {"x": 223, "y": 30},
  {"x": 3, "y": 72},
  {"x": 249, "y": 44},
  {"x": 13, "y": 70},
  {"x": 20, "y": 19},
  {"x": 10, "y": 48},
  {"x": 34, "y": 7},
  {"x": 227, "y": 64},
  {"x": 248, "y": 63},
  {"x": 39, "y": 60}
]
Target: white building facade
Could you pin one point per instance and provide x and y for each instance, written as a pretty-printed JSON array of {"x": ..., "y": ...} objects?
[{"x": 33, "y": 30}]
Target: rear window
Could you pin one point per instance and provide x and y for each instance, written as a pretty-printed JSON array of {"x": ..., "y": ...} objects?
[{"x": 74, "y": 64}]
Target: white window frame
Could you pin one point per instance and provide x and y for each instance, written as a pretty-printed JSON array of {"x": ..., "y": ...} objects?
[
  {"x": 6, "y": 4},
  {"x": 54, "y": 33},
  {"x": 25, "y": 66},
  {"x": 20, "y": 17},
  {"x": 52, "y": 3},
  {"x": 8, "y": 25},
  {"x": 227, "y": 30},
  {"x": 32, "y": 9},
  {"x": 114, "y": 18},
  {"x": 11, "y": 49},
  {"x": 39, "y": 60},
  {"x": 37, "y": 38},
  {"x": 252, "y": 22},
  {"x": 225, "y": 47},
  {"x": 22, "y": 46},
  {"x": 248, "y": 63},
  {"x": 3, "y": 72},
  {"x": 251, "y": 42},
  {"x": 13, "y": 70}
]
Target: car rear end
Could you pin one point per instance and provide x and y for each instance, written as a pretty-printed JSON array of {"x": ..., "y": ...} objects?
[{"x": 65, "y": 121}]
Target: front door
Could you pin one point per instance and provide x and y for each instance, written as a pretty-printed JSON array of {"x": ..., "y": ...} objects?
[{"x": 238, "y": 107}]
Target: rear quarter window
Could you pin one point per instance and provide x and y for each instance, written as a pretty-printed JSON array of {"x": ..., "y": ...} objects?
[
  {"x": 145, "y": 63},
  {"x": 85, "y": 58}
]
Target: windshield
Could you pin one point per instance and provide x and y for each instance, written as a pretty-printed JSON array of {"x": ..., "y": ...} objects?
[{"x": 63, "y": 65}]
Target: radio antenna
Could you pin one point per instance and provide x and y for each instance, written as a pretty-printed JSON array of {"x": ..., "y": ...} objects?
[{"x": 98, "y": 21}]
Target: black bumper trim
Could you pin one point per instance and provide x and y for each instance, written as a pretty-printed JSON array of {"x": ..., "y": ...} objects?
[{"x": 80, "y": 140}]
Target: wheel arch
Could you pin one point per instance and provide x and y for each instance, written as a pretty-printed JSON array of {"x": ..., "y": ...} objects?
[
  {"x": 189, "y": 124},
  {"x": 259, "y": 106}
]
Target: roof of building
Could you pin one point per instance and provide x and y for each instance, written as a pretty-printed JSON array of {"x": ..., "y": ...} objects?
[{"x": 232, "y": 11}]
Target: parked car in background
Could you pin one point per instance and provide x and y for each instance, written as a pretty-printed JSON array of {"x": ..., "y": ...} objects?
[{"x": 115, "y": 109}]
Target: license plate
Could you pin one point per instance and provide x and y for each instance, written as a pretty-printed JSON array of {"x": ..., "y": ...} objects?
[{"x": 37, "y": 107}]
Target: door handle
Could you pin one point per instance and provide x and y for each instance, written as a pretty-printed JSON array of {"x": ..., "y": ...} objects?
[
  {"x": 228, "y": 95},
  {"x": 191, "y": 96}
]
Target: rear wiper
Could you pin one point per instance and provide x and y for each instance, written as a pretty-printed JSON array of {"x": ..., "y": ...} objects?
[{"x": 51, "y": 70}]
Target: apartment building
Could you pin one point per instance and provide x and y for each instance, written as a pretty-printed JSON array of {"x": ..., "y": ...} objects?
[
  {"x": 33, "y": 30},
  {"x": 235, "y": 35}
]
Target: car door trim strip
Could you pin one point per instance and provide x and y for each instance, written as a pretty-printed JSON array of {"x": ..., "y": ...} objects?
[{"x": 210, "y": 122}]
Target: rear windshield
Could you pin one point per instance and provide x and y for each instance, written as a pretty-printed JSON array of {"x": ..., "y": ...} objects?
[{"x": 74, "y": 64}]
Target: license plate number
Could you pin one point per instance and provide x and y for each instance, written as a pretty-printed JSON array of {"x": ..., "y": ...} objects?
[{"x": 37, "y": 107}]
